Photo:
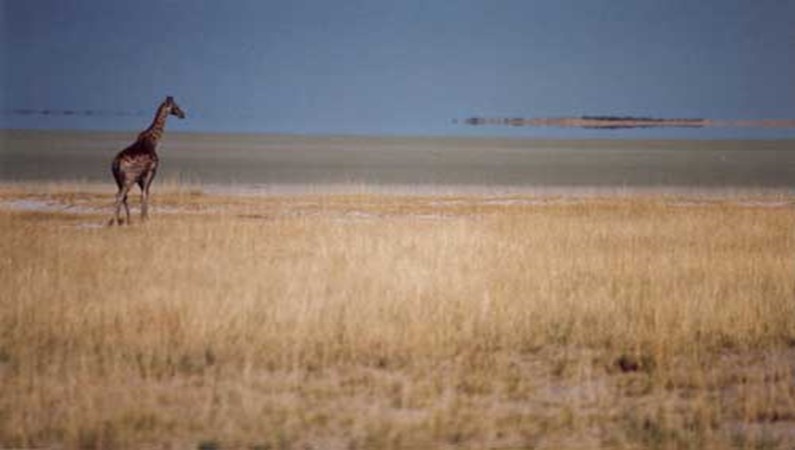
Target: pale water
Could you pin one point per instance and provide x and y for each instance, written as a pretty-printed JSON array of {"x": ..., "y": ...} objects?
[{"x": 267, "y": 160}]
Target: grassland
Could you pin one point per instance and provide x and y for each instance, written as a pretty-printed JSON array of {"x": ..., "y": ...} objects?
[{"x": 397, "y": 321}]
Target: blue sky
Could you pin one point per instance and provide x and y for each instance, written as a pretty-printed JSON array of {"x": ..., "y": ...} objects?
[{"x": 397, "y": 67}]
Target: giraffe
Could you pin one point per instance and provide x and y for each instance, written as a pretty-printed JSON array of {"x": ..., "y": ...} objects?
[{"x": 138, "y": 162}]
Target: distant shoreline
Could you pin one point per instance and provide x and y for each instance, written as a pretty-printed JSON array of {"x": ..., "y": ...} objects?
[{"x": 607, "y": 122}]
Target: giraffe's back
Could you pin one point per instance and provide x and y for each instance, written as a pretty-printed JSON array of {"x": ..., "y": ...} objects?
[{"x": 134, "y": 162}]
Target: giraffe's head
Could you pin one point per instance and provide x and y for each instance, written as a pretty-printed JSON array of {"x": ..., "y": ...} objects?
[{"x": 173, "y": 108}]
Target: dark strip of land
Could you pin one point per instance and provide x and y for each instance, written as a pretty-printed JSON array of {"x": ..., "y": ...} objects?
[{"x": 622, "y": 122}]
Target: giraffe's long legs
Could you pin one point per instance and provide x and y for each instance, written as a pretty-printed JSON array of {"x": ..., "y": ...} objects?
[
  {"x": 121, "y": 198},
  {"x": 144, "y": 205},
  {"x": 144, "y": 185},
  {"x": 126, "y": 206}
]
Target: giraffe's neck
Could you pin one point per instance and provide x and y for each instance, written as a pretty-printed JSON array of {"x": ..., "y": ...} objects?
[{"x": 155, "y": 130}]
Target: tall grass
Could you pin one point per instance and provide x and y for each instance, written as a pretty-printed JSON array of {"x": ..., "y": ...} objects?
[{"x": 378, "y": 321}]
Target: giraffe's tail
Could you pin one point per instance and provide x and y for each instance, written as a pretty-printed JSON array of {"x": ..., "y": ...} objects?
[
  {"x": 115, "y": 168},
  {"x": 118, "y": 176}
]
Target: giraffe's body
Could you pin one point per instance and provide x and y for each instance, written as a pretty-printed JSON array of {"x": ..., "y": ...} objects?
[{"x": 137, "y": 164}]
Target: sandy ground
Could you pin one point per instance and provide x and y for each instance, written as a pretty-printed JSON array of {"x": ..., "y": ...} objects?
[{"x": 90, "y": 200}]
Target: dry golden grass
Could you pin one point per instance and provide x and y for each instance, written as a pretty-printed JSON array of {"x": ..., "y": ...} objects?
[{"x": 378, "y": 321}]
